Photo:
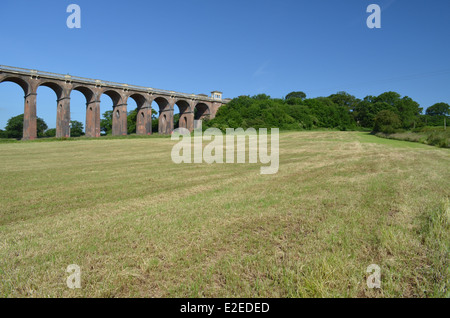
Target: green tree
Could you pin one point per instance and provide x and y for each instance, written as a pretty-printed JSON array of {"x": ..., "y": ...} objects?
[
  {"x": 439, "y": 109},
  {"x": 367, "y": 109},
  {"x": 176, "y": 120},
  {"x": 344, "y": 99},
  {"x": 131, "y": 121},
  {"x": 50, "y": 132},
  {"x": 290, "y": 114},
  {"x": 106, "y": 122},
  {"x": 389, "y": 98},
  {"x": 300, "y": 95},
  {"x": 408, "y": 111},
  {"x": 261, "y": 97},
  {"x": 76, "y": 128},
  {"x": 14, "y": 127},
  {"x": 386, "y": 121},
  {"x": 3, "y": 134}
]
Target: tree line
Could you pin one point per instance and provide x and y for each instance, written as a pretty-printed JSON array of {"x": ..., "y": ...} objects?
[
  {"x": 388, "y": 112},
  {"x": 14, "y": 128}
]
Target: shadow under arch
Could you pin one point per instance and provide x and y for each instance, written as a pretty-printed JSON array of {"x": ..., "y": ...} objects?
[
  {"x": 165, "y": 120},
  {"x": 186, "y": 115},
  {"x": 201, "y": 111}
]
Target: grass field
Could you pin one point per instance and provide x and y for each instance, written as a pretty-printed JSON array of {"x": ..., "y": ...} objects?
[{"x": 140, "y": 226}]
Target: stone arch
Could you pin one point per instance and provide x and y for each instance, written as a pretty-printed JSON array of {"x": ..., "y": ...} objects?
[
  {"x": 26, "y": 87},
  {"x": 115, "y": 96},
  {"x": 62, "y": 107},
  {"x": 186, "y": 115},
  {"x": 140, "y": 99},
  {"x": 119, "y": 118},
  {"x": 165, "y": 121},
  {"x": 163, "y": 103},
  {"x": 144, "y": 114},
  {"x": 201, "y": 111},
  {"x": 92, "y": 124},
  {"x": 29, "y": 113},
  {"x": 58, "y": 89},
  {"x": 88, "y": 93}
]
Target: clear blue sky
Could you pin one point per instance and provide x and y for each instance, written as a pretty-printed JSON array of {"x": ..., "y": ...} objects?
[{"x": 241, "y": 47}]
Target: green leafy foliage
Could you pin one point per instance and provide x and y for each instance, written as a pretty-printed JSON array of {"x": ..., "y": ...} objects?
[
  {"x": 76, "y": 128},
  {"x": 387, "y": 122},
  {"x": 50, "y": 133},
  {"x": 436, "y": 115},
  {"x": 299, "y": 95},
  {"x": 176, "y": 119},
  {"x": 439, "y": 109},
  {"x": 131, "y": 121},
  {"x": 344, "y": 99},
  {"x": 106, "y": 122},
  {"x": 294, "y": 113},
  {"x": 406, "y": 109},
  {"x": 338, "y": 111},
  {"x": 3, "y": 134},
  {"x": 14, "y": 127},
  {"x": 439, "y": 139}
]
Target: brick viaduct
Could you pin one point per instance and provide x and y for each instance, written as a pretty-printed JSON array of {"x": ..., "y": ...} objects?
[{"x": 63, "y": 85}]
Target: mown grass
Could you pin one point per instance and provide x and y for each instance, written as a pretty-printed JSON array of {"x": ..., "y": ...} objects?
[{"x": 139, "y": 225}]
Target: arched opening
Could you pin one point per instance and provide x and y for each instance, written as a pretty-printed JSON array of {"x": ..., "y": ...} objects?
[
  {"x": 181, "y": 117},
  {"x": 176, "y": 116},
  {"x": 114, "y": 114},
  {"x": 12, "y": 108},
  {"x": 78, "y": 110},
  {"x": 201, "y": 111},
  {"x": 139, "y": 118},
  {"x": 84, "y": 108},
  {"x": 165, "y": 115},
  {"x": 155, "y": 117},
  {"x": 48, "y": 110}
]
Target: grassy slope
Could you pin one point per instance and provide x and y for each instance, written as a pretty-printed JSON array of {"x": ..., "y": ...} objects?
[{"x": 139, "y": 225}]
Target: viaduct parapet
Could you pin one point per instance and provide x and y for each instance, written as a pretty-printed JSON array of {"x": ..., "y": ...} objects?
[{"x": 192, "y": 107}]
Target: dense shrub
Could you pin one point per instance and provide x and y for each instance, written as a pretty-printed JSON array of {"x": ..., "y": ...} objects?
[
  {"x": 386, "y": 122},
  {"x": 407, "y": 110},
  {"x": 439, "y": 139},
  {"x": 338, "y": 111},
  {"x": 50, "y": 133},
  {"x": 294, "y": 113}
]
